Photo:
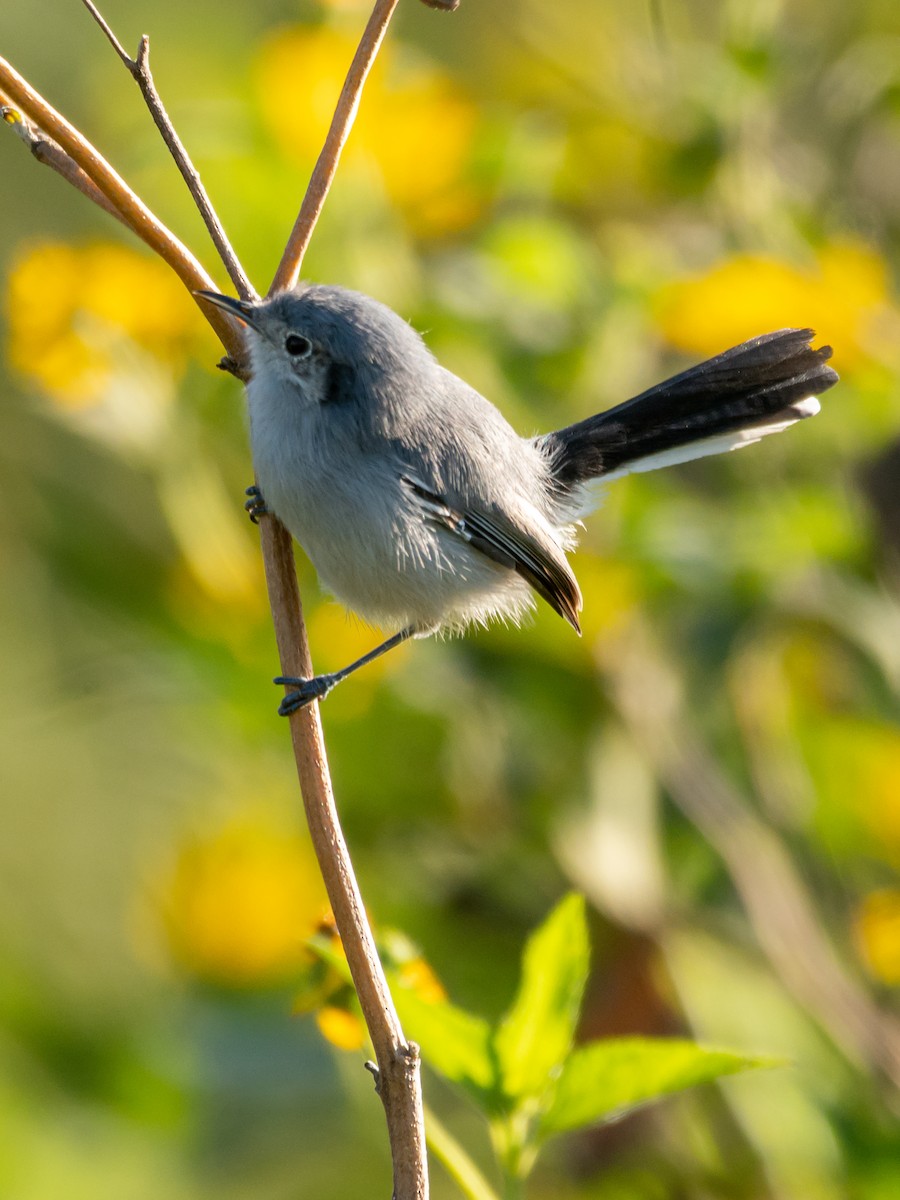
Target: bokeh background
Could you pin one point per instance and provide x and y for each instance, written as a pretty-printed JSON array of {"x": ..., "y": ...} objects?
[{"x": 572, "y": 201}]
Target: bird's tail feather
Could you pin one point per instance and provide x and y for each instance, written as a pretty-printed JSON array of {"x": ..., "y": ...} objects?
[{"x": 732, "y": 400}]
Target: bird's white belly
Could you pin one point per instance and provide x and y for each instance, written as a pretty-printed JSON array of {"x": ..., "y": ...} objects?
[{"x": 376, "y": 550}]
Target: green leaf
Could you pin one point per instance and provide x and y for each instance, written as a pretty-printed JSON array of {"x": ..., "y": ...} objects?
[
  {"x": 535, "y": 1036},
  {"x": 327, "y": 952},
  {"x": 454, "y": 1042},
  {"x": 607, "y": 1079}
]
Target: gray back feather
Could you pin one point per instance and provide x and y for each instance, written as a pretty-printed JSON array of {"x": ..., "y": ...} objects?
[{"x": 388, "y": 394}]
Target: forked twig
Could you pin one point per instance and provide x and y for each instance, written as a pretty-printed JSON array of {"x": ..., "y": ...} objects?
[
  {"x": 123, "y": 54},
  {"x": 131, "y": 209},
  {"x": 398, "y": 1077},
  {"x": 47, "y": 152},
  {"x": 139, "y": 69}
]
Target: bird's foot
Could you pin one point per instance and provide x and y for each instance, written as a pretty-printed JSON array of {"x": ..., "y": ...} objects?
[
  {"x": 306, "y": 691},
  {"x": 256, "y": 504}
]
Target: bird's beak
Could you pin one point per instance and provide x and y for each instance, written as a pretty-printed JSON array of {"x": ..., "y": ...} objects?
[{"x": 242, "y": 309}]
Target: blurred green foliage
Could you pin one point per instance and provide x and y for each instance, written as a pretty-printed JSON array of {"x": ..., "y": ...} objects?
[{"x": 571, "y": 200}]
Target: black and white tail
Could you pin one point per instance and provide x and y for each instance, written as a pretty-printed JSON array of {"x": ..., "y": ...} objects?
[{"x": 732, "y": 400}]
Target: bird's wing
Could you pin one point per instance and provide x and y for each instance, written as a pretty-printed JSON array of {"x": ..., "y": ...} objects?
[{"x": 496, "y": 536}]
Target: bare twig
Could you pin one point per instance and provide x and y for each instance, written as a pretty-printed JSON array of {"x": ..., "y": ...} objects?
[
  {"x": 398, "y": 1061},
  {"x": 326, "y": 165},
  {"x": 139, "y": 69},
  {"x": 399, "y": 1080},
  {"x": 51, "y": 155},
  {"x": 110, "y": 36},
  {"x": 132, "y": 210}
]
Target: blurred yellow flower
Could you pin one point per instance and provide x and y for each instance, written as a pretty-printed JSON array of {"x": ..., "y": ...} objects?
[
  {"x": 70, "y": 308},
  {"x": 417, "y": 975},
  {"x": 880, "y": 782},
  {"x": 844, "y": 295},
  {"x": 325, "y": 978},
  {"x": 877, "y": 929},
  {"x": 299, "y": 73},
  {"x": 415, "y": 125},
  {"x": 240, "y": 903},
  {"x": 329, "y": 994},
  {"x": 341, "y": 1027},
  {"x": 419, "y": 131}
]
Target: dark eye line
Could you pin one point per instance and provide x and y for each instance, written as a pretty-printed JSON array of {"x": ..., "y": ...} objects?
[{"x": 297, "y": 345}]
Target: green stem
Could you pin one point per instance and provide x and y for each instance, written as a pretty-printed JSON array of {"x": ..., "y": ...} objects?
[
  {"x": 456, "y": 1161},
  {"x": 513, "y": 1187},
  {"x": 511, "y": 1136}
]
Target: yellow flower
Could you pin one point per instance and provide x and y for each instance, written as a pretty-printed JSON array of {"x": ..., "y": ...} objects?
[
  {"x": 240, "y": 903},
  {"x": 844, "y": 295},
  {"x": 417, "y": 975},
  {"x": 341, "y": 1027},
  {"x": 419, "y": 131},
  {"x": 328, "y": 991},
  {"x": 71, "y": 309},
  {"x": 299, "y": 74},
  {"x": 414, "y": 127},
  {"x": 877, "y": 929}
]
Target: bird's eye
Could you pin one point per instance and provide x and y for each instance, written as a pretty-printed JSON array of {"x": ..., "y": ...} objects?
[{"x": 297, "y": 346}]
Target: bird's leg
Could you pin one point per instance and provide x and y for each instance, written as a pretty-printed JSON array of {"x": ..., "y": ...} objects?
[
  {"x": 256, "y": 505},
  {"x": 319, "y": 686}
]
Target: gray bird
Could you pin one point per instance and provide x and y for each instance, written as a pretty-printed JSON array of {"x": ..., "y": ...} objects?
[{"x": 420, "y": 507}]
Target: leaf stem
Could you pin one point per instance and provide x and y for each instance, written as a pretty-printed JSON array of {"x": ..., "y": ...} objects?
[{"x": 455, "y": 1160}]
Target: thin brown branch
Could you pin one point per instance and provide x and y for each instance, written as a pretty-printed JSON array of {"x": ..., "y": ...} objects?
[
  {"x": 139, "y": 69},
  {"x": 51, "y": 155},
  {"x": 398, "y": 1077},
  {"x": 131, "y": 209},
  {"x": 398, "y": 1060},
  {"x": 110, "y": 36},
  {"x": 399, "y": 1081},
  {"x": 327, "y": 163}
]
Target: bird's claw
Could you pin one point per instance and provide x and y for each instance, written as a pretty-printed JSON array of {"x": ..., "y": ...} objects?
[
  {"x": 256, "y": 504},
  {"x": 306, "y": 690}
]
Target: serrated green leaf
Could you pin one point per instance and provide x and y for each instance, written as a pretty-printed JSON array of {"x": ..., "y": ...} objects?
[
  {"x": 535, "y": 1036},
  {"x": 607, "y": 1079},
  {"x": 454, "y": 1042}
]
